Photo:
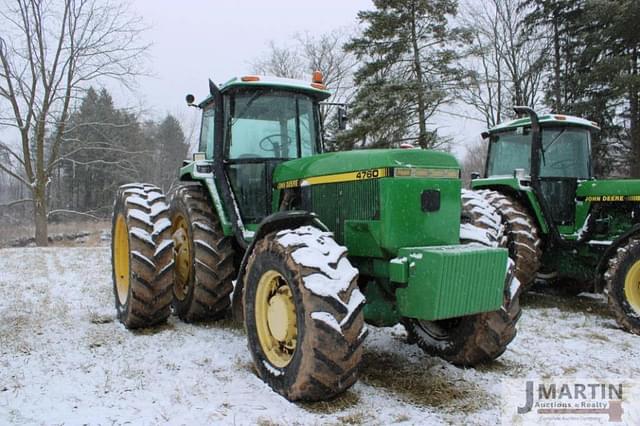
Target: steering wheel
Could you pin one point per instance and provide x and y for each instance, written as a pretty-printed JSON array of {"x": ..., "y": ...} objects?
[
  {"x": 275, "y": 146},
  {"x": 559, "y": 164}
]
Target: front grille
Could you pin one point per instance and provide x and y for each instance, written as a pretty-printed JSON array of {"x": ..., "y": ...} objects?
[{"x": 334, "y": 203}]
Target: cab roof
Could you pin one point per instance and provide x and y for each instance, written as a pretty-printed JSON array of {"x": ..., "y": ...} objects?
[
  {"x": 548, "y": 119},
  {"x": 259, "y": 81}
]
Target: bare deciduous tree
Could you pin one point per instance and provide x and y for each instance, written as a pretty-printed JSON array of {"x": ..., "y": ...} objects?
[
  {"x": 310, "y": 53},
  {"x": 506, "y": 64},
  {"x": 49, "y": 52}
]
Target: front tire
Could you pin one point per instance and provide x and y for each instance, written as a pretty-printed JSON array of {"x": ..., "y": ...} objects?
[
  {"x": 303, "y": 314},
  {"x": 141, "y": 253},
  {"x": 623, "y": 286},
  {"x": 479, "y": 338}
]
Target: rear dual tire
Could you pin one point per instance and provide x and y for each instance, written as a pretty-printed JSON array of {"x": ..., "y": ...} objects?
[
  {"x": 203, "y": 255},
  {"x": 142, "y": 257}
]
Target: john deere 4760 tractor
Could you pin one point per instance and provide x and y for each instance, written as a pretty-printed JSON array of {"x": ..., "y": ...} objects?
[
  {"x": 583, "y": 231},
  {"x": 305, "y": 247}
]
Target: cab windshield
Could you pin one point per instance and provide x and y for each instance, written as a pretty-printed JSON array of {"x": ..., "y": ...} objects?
[
  {"x": 272, "y": 125},
  {"x": 566, "y": 152}
]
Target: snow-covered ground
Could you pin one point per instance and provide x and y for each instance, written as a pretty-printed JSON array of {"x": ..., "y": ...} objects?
[{"x": 64, "y": 359}]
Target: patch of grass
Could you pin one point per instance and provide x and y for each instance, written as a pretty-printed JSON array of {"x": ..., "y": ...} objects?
[
  {"x": 401, "y": 418},
  {"x": 95, "y": 318},
  {"x": 11, "y": 232},
  {"x": 341, "y": 402},
  {"x": 267, "y": 422},
  {"x": 357, "y": 418},
  {"x": 505, "y": 367},
  {"x": 598, "y": 336},
  {"x": 150, "y": 331},
  {"x": 226, "y": 323},
  {"x": 565, "y": 303},
  {"x": 420, "y": 385}
]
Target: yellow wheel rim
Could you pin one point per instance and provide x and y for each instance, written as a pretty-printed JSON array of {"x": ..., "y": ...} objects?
[
  {"x": 632, "y": 286},
  {"x": 121, "y": 259},
  {"x": 276, "y": 321},
  {"x": 182, "y": 256}
]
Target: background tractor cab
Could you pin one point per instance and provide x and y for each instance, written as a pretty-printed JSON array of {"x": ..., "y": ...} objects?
[
  {"x": 558, "y": 217},
  {"x": 551, "y": 155}
]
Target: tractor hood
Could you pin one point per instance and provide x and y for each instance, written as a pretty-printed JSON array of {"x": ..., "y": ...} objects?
[
  {"x": 369, "y": 160},
  {"x": 610, "y": 190}
]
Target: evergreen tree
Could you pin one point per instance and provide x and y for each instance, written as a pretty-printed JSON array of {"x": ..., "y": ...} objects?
[
  {"x": 169, "y": 150},
  {"x": 408, "y": 50},
  {"x": 611, "y": 73}
]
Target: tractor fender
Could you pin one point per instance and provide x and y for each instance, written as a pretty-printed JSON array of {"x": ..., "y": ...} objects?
[
  {"x": 603, "y": 263},
  {"x": 201, "y": 172},
  {"x": 275, "y": 222},
  {"x": 512, "y": 188}
]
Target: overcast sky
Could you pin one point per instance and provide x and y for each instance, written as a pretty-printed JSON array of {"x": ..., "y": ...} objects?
[{"x": 194, "y": 40}]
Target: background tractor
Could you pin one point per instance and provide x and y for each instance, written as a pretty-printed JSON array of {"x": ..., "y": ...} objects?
[
  {"x": 305, "y": 247},
  {"x": 560, "y": 219}
]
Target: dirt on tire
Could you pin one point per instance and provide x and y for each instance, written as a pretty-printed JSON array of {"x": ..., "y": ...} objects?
[
  {"x": 328, "y": 305},
  {"x": 479, "y": 338},
  {"x": 211, "y": 267},
  {"x": 146, "y": 215}
]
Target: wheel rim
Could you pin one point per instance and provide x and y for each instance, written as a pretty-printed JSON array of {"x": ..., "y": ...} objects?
[
  {"x": 182, "y": 256},
  {"x": 632, "y": 286},
  {"x": 121, "y": 259},
  {"x": 276, "y": 321}
]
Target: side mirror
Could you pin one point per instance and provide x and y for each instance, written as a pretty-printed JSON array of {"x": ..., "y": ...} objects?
[
  {"x": 190, "y": 99},
  {"x": 342, "y": 117},
  {"x": 475, "y": 175}
]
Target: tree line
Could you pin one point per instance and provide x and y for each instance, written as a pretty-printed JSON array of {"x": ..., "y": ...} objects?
[
  {"x": 412, "y": 58},
  {"x": 103, "y": 148}
]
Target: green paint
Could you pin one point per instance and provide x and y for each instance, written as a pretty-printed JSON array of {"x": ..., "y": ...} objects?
[
  {"x": 348, "y": 161},
  {"x": 450, "y": 281},
  {"x": 236, "y": 83},
  {"x": 614, "y": 187},
  {"x": 373, "y": 202},
  {"x": 380, "y": 309},
  {"x": 510, "y": 185},
  {"x": 189, "y": 173},
  {"x": 609, "y": 204},
  {"x": 549, "y": 120}
]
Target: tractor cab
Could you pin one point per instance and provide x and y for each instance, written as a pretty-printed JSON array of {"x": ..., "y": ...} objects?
[
  {"x": 562, "y": 158},
  {"x": 253, "y": 124}
]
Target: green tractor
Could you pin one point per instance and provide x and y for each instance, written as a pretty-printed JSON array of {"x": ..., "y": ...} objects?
[
  {"x": 304, "y": 247},
  {"x": 560, "y": 221}
]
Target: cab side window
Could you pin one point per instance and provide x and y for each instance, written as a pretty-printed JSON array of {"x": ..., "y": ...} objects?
[{"x": 207, "y": 132}]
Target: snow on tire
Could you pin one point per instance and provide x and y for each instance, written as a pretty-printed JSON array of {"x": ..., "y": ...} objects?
[
  {"x": 204, "y": 256},
  {"x": 521, "y": 235},
  {"x": 483, "y": 337},
  {"x": 303, "y": 314},
  {"x": 142, "y": 256}
]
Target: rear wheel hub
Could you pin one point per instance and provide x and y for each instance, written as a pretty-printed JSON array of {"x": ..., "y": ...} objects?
[
  {"x": 121, "y": 259},
  {"x": 632, "y": 286},
  {"x": 182, "y": 256}
]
